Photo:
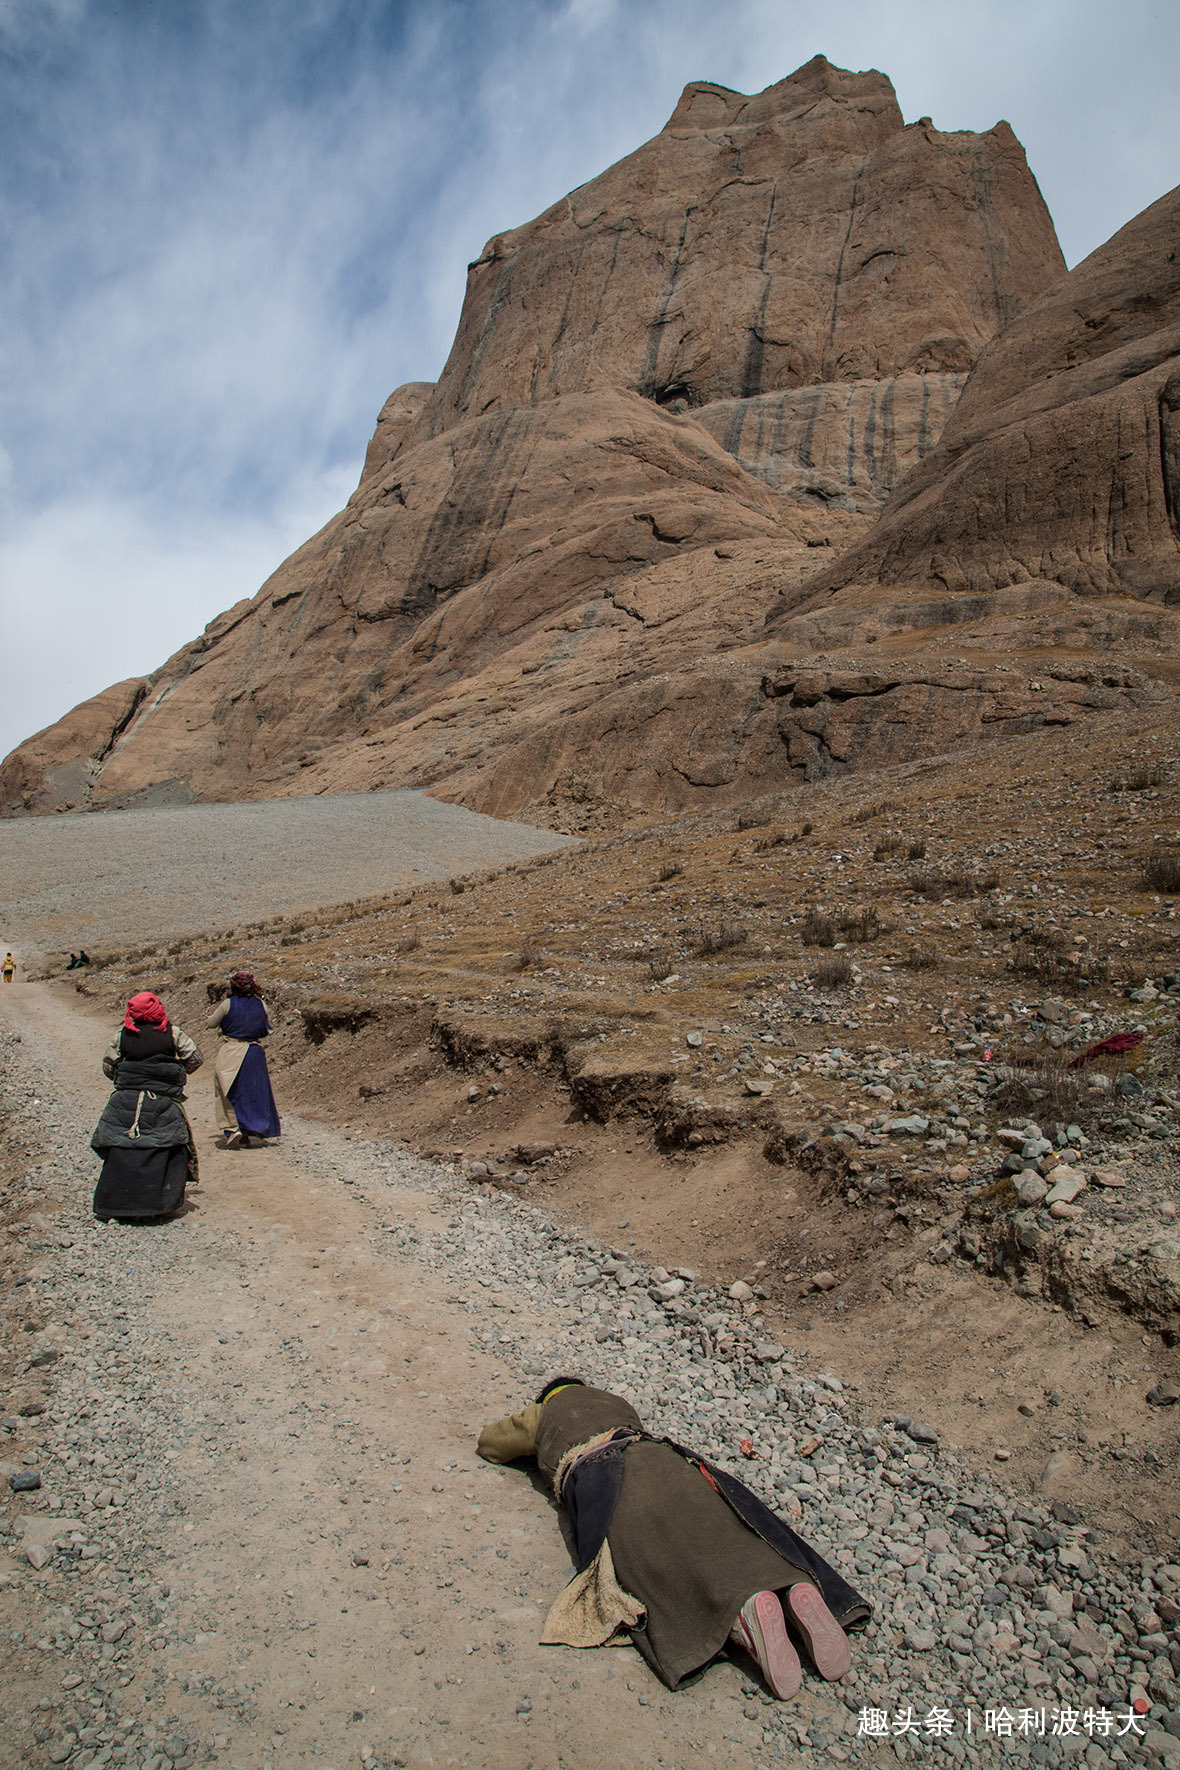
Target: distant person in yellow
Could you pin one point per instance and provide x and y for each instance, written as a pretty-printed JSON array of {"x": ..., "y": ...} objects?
[{"x": 8, "y": 967}]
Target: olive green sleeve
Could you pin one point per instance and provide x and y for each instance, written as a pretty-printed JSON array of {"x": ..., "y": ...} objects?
[{"x": 512, "y": 1437}]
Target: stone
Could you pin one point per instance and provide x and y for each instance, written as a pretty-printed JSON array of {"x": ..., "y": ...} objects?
[
  {"x": 824, "y": 1281},
  {"x": 24, "y": 1481},
  {"x": 38, "y": 1555},
  {"x": 922, "y": 1434},
  {"x": 695, "y": 1040},
  {"x": 1109, "y": 1178},
  {"x": 741, "y": 1292},
  {"x": 1030, "y": 1189},
  {"x": 1065, "y": 1188},
  {"x": 1163, "y": 1395},
  {"x": 912, "y": 1126}
]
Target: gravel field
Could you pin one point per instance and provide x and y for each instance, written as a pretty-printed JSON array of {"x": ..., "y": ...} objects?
[
  {"x": 155, "y": 874},
  {"x": 261, "y": 1535}
]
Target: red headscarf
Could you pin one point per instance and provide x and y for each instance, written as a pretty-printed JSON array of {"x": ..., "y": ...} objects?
[{"x": 145, "y": 1010}]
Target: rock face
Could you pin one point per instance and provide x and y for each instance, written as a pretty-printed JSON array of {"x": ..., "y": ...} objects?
[
  {"x": 548, "y": 592},
  {"x": 1062, "y": 459}
]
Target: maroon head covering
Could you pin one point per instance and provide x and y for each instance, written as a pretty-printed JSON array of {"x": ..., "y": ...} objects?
[
  {"x": 242, "y": 983},
  {"x": 145, "y": 1010}
]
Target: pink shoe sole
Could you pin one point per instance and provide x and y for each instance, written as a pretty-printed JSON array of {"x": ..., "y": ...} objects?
[
  {"x": 824, "y": 1639},
  {"x": 761, "y": 1629}
]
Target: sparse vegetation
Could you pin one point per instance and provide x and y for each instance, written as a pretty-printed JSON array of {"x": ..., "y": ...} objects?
[
  {"x": 868, "y": 812},
  {"x": 957, "y": 882},
  {"x": 920, "y": 958},
  {"x": 720, "y": 939},
  {"x": 776, "y": 839},
  {"x": 529, "y": 955},
  {"x": 1140, "y": 780},
  {"x": 1162, "y": 871},
  {"x": 410, "y": 941},
  {"x": 861, "y": 925},
  {"x": 818, "y": 929},
  {"x": 659, "y": 966},
  {"x": 833, "y": 972},
  {"x": 1044, "y": 1087},
  {"x": 888, "y": 845},
  {"x": 916, "y": 850},
  {"x": 671, "y": 869}
]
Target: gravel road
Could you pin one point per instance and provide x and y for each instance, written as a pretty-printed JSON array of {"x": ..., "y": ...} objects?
[
  {"x": 123, "y": 877},
  {"x": 266, "y": 1539}
]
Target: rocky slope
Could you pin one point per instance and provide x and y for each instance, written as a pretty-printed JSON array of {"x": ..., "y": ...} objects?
[
  {"x": 1062, "y": 460},
  {"x": 549, "y": 589}
]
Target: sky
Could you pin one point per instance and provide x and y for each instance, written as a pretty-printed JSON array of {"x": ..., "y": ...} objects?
[{"x": 228, "y": 230}]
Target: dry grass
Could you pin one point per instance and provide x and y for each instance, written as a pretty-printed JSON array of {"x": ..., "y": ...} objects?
[
  {"x": 861, "y": 925},
  {"x": 833, "y": 972},
  {"x": 916, "y": 850},
  {"x": 1162, "y": 871},
  {"x": 868, "y": 812},
  {"x": 887, "y": 846},
  {"x": 720, "y": 939},
  {"x": 957, "y": 882},
  {"x": 921, "y": 958},
  {"x": 671, "y": 869},
  {"x": 410, "y": 941},
  {"x": 818, "y": 929},
  {"x": 1046, "y": 1089}
]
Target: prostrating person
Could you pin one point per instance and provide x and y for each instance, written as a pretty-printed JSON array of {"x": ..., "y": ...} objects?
[
  {"x": 671, "y": 1549},
  {"x": 243, "y": 1097},
  {"x": 144, "y": 1135}
]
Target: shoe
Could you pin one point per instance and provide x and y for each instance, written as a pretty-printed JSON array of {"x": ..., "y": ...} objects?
[
  {"x": 762, "y": 1631},
  {"x": 234, "y": 1140},
  {"x": 825, "y": 1641}
]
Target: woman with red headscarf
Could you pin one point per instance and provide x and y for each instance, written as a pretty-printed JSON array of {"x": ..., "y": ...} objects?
[
  {"x": 144, "y": 1135},
  {"x": 242, "y": 1094}
]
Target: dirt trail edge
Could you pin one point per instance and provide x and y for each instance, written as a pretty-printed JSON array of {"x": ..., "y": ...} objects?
[{"x": 262, "y": 1536}]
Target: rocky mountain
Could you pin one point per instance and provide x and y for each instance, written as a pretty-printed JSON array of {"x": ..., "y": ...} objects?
[{"x": 670, "y": 397}]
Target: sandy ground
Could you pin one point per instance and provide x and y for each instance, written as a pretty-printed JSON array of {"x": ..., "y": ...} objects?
[{"x": 154, "y": 874}]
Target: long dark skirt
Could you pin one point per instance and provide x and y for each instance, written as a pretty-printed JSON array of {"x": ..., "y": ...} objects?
[
  {"x": 136, "y": 1184},
  {"x": 251, "y": 1097}
]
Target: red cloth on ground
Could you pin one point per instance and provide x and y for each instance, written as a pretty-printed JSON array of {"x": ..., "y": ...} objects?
[
  {"x": 1114, "y": 1046},
  {"x": 145, "y": 1009}
]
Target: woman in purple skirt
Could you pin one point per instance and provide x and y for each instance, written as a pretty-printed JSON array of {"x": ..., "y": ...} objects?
[{"x": 241, "y": 1080}]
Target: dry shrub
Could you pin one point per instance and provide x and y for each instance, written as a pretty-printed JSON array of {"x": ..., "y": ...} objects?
[
  {"x": 886, "y": 846},
  {"x": 529, "y": 955},
  {"x": 720, "y": 939},
  {"x": 659, "y": 966},
  {"x": 868, "y": 812},
  {"x": 916, "y": 850},
  {"x": 776, "y": 839},
  {"x": 1143, "y": 776},
  {"x": 957, "y": 882},
  {"x": 818, "y": 929},
  {"x": 1162, "y": 871},
  {"x": 1043, "y": 1088},
  {"x": 410, "y": 941},
  {"x": 833, "y": 972},
  {"x": 671, "y": 869},
  {"x": 860, "y": 925},
  {"x": 752, "y": 820},
  {"x": 990, "y": 917},
  {"x": 920, "y": 958}
]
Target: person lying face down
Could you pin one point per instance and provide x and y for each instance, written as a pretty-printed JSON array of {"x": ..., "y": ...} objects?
[{"x": 672, "y": 1550}]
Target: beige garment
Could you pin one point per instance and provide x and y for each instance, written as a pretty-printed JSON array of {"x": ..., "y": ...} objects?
[{"x": 592, "y": 1608}]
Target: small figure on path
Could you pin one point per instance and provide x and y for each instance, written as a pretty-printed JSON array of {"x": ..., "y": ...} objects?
[
  {"x": 243, "y": 1097},
  {"x": 144, "y": 1135},
  {"x": 673, "y": 1550},
  {"x": 8, "y": 968},
  {"x": 73, "y": 964}
]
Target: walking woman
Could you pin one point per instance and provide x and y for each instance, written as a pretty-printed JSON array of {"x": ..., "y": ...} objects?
[
  {"x": 241, "y": 1081},
  {"x": 144, "y": 1136}
]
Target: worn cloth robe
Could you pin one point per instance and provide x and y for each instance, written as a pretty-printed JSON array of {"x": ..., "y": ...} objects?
[
  {"x": 144, "y": 1136},
  {"x": 242, "y": 1094},
  {"x": 684, "y": 1549}
]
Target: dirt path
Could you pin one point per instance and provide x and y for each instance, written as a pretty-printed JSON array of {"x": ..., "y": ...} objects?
[
  {"x": 267, "y": 1540},
  {"x": 343, "y": 1575}
]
